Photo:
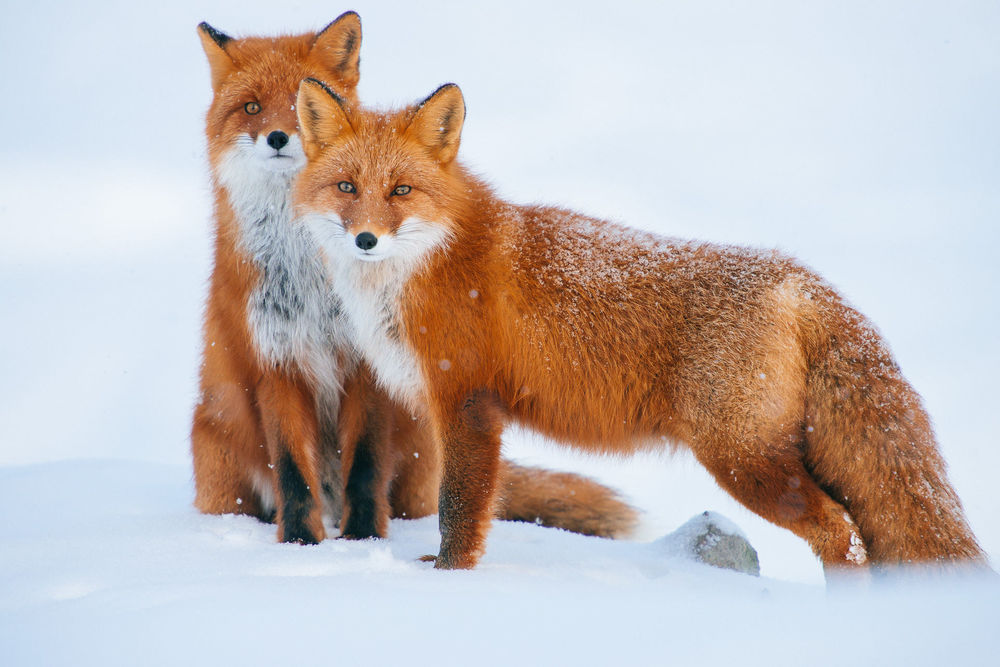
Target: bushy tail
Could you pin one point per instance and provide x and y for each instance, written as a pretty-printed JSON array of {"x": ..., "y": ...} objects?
[
  {"x": 870, "y": 445},
  {"x": 562, "y": 500}
]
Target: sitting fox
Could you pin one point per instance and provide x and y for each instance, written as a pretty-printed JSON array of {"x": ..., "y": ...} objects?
[
  {"x": 289, "y": 425},
  {"x": 477, "y": 312}
]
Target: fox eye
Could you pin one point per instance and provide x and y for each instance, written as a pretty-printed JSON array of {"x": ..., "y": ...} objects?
[
  {"x": 251, "y": 108},
  {"x": 401, "y": 190},
  {"x": 346, "y": 186}
]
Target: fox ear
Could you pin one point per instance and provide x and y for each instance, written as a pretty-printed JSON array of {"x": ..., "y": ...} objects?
[
  {"x": 438, "y": 121},
  {"x": 214, "y": 43},
  {"x": 338, "y": 47},
  {"x": 322, "y": 116}
]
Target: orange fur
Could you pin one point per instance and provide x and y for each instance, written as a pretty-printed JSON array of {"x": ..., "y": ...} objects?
[
  {"x": 281, "y": 432},
  {"x": 614, "y": 340}
]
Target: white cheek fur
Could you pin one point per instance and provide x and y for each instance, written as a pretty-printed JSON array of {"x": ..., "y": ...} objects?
[
  {"x": 369, "y": 292},
  {"x": 410, "y": 243}
]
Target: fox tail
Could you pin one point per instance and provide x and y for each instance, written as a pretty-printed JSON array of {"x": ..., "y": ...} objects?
[
  {"x": 870, "y": 444},
  {"x": 562, "y": 500}
]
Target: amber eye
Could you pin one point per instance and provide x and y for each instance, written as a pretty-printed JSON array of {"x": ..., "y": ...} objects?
[
  {"x": 346, "y": 186},
  {"x": 401, "y": 190},
  {"x": 251, "y": 108}
]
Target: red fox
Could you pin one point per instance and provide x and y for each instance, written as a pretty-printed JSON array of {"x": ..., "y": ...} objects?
[
  {"x": 288, "y": 424},
  {"x": 478, "y": 312}
]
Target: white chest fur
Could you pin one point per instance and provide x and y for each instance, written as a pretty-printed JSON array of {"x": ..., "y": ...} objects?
[{"x": 370, "y": 297}]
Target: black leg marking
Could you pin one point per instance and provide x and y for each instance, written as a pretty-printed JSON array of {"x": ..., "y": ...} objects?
[
  {"x": 297, "y": 499},
  {"x": 360, "y": 491}
]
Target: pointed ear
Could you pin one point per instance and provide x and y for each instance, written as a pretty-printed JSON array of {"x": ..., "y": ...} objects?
[
  {"x": 322, "y": 116},
  {"x": 338, "y": 47},
  {"x": 438, "y": 121},
  {"x": 214, "y": 43}
]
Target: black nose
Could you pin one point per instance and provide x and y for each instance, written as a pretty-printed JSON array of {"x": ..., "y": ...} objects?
[
  {"x": 365, "y": 240},
  {"x": 277, "y": 140}
]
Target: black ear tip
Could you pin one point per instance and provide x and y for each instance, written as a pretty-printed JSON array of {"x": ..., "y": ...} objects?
[
  {"x": 442, "y": 88},
  {"x": 351, "y": 16},
  {"x": 329, "y": 91},
  {"x": 217, "y": 36},
  {"x": 452, "y": 88}
]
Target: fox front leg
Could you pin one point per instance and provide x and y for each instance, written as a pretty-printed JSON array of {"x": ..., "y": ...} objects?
[{"x": 471, "y": 439}]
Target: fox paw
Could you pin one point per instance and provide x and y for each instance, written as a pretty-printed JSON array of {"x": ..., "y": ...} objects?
[
  {"x": 358, "y": 536},
  {"x": 305, "y": 539}
]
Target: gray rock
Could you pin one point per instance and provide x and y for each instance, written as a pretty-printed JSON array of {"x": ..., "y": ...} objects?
[{"x": 713, "y": 539}]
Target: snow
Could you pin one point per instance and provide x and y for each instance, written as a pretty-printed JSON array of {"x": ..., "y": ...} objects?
[
  {"x": 129, "y": 574},
  {"x": 859, "y": 138}
]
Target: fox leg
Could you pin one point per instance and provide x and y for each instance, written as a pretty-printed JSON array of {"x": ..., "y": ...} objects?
[
  {"x": 288, "y": 413},
  {"x": 772, "y": 480},
  {"x": 366, "y": 482},
  {"x": 471, "y": 439},
  {"x": 417, "y": 482},
  {"x": 366, "y": 459},
  {"x": 227, "y": 447}
]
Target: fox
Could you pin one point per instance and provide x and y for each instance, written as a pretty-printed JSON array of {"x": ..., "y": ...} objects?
[
  {"x": 289, "y": 426},
  {"x": 477, "y": 312}
]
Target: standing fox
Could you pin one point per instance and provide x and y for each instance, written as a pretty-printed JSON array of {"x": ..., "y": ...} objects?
[
  {"x": 479, "y": 312},
  {"x": 288, "y": 422}
]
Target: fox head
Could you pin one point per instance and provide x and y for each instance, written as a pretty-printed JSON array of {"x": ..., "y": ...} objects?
[
  {"x": 380, "y": 186},
  {"x": 251, "y": 126}
]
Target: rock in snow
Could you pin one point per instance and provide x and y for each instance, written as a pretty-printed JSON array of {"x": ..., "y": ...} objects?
[{"x": 714, "y": 540}]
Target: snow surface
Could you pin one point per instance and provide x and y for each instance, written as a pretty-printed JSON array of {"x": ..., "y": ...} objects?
[{"x": 859, "y": 137}]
